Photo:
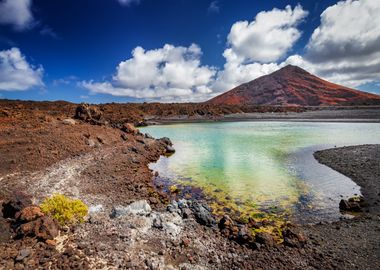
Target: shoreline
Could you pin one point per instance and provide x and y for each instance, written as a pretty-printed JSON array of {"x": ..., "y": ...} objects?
[
  {"x": 200, "y": 121},
  {"x": 369, "y": 115}
]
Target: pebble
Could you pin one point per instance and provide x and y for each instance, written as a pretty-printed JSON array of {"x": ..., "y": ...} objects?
[{"x": 23, "y": 254}]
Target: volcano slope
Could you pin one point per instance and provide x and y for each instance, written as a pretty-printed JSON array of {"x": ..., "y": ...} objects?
[{"x": 293, "y": 86}]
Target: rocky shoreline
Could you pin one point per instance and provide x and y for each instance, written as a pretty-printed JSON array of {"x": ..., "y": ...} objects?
[{"x": 132, "y": 225}]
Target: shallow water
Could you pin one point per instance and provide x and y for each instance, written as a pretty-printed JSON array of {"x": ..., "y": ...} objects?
[{"x": 264, "y": 165}]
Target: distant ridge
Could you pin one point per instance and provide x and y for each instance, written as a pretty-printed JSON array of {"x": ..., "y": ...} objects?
[{"x": 293, "y": 86}]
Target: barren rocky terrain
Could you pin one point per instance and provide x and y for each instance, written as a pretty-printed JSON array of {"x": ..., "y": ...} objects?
[{"x": 132, "y": 224}]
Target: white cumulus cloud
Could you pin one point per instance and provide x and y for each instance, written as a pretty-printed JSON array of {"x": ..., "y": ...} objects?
[
  {"x": 16, "y": 13},
  {"x": 16, "y": 74},
  {"x": 268, "y": 37},
  {"x": 345, "y": 48},
  {"x": 254, "y": 47},
  {"x": 166, "y": 74}
]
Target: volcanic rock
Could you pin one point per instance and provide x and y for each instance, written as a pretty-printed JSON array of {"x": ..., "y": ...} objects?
[
  {"x": 137, "y": 208},
  {"x": 130, "y": 128},
  {"x": 170, "y": 149},
  {"x": 29, "y": 213},
  {"x": 351, "y": 205},
  {"x": 44, "y": 228},
  {"x": 294, "y": 237},
  {"x": 265, "y": 239},
  {"x": 203, "y": 214},
  {"x": 88, "y": 113},
  {"x": 166, "y": 141}
]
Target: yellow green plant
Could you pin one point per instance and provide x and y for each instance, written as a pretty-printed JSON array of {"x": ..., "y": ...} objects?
[{"x": 65, "y": 210}]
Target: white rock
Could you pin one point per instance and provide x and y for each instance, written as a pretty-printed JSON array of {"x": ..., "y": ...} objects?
[
  {"x": 69, "y": 121},
  {"x": 95, "y": 208},
  {"x": 137, "y": 208}
]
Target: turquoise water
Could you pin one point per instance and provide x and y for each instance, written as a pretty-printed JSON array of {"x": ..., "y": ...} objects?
[{"x": 263, "y": 165}]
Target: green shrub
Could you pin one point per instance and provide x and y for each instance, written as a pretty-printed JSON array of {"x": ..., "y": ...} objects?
[{"x": 65, "y": 210}]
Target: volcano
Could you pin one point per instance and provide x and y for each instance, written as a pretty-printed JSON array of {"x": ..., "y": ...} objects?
[{"x": 293, "y": 86}]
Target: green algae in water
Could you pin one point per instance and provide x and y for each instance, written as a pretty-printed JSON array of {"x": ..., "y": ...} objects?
[{"x": 246, "y": 166}]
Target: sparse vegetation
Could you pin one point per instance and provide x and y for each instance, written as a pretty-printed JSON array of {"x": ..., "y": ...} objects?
[{"x": 65, "y": 210}]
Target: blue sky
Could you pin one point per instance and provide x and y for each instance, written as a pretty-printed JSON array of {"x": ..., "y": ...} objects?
[{"x": 179, "y": 50}]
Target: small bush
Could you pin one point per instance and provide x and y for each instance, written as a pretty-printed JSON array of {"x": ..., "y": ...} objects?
[{"x": 65, "y": 210}]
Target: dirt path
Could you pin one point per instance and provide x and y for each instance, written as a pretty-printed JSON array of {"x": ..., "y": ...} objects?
[{"x": 65, "y": 177}]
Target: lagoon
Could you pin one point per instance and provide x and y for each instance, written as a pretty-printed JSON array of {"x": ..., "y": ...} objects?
[{"x": 263, "y": 166}]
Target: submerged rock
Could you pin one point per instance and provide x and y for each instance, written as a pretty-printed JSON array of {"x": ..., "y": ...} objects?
[{"x": 137, "y": 208}]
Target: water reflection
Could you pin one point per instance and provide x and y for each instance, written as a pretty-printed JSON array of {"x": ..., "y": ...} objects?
[{"x": 264, "y": 163}]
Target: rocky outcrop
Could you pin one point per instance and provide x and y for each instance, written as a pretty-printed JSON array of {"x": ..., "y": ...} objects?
[
  {"x": 90, "y": 114},
  {"x": 137, "y": 208},
  {"x": 44, "y": 228},
  {"x": 203, "y": 214},
  {"x": 294, "y": 237},
  {"x": 130, "y": 129},
  {"x": 353, "y": 204},
  {"x": 27, "y": 220}
]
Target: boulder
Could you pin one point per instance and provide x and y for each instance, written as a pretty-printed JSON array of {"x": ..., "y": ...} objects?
[
  {"x": 69, "y": 121},
  {"x": 294, "y": 237},
  {"x": 169, "y": 149},
  {"x": 353, "y": 204},
  {"x": 203, "y": 214},
  {"x": 225, "y": 222},
  {"x": 157, "y": 222},
  {"x": 166, "y": 141},
  {"x": 88, "y": 113},
  {"x": 148, "y": 136},
  {"x": 129, "y": 128},
  {"x": 29, "y": 213},
  {"x": 137, "y": 208},
  {"x": 186, "y": 213},
  {"x": 23, "y": 253},
  {"x": 44, "y": 228},
  {"x": 264, "y": 238}
]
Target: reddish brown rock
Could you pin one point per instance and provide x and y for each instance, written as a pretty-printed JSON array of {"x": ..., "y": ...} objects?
[
  {"x": 265, "y": 239},
  {"x": 294, "y": 237},
  {"x": 44, "y": 228},
  {"x": 88, "y": 113},
  {"x": 29, "y": 213},
  {"x": 130, "y": 128}
]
